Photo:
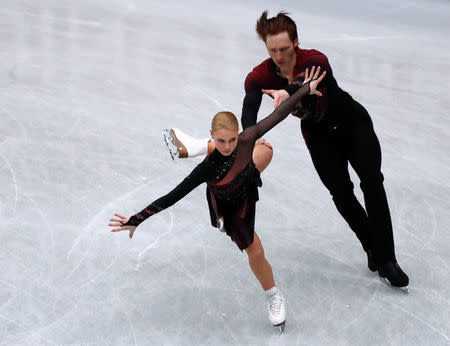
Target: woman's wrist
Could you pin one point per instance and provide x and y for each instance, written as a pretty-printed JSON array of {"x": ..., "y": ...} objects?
[
  {"x": 133, "y": 221},
  {"x": 292, "y": 88}
]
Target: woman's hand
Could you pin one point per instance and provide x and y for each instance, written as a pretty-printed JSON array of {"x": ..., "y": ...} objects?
[
  {"x": 120, "y": 223},
  {"x": 279, "y": 96},
  {"x": 314, "y": 80}
]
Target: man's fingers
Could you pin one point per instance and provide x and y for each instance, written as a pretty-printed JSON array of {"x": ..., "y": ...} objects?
[
  {"x": 118, "y": 229},
  {"x": 118, "y": 215}
]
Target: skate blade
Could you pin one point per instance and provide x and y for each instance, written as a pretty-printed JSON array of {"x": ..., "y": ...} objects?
[
  {"x": 281, "y": 326},
  {"x": 404, "y": 289},
  {"x": 168, "y": 139}
]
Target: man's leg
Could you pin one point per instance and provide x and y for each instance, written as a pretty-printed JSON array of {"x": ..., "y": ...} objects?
[
  {"x": 330, "y": 161},
  {"x": 365, "y": 157}
]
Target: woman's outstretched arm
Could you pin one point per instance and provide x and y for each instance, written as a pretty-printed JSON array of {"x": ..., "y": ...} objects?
[
  {"x": 285, "y": 108},
  {"x": 194, "y": 179}
]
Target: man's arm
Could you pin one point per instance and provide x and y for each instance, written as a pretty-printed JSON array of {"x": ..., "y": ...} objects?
[{"x": 252, "y": 102}]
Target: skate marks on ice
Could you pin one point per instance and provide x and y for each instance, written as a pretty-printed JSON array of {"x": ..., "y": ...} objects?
[
  {"x": 328, "y": 280},
  {"x": 417, "y": 318},
  {"x": 46, "y": 17},
  {"x": 98, "y": 222},
  {"x": 333, "y": 284},
  {"x": 352, "y": 37},
  {"x": 142, "y": 253},
  {"x": 14, "y": 181},
  {"x": 23, "y": 327}
]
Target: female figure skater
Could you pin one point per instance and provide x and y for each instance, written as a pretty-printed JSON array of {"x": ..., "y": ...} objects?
[{"x": 232, "y": 178}]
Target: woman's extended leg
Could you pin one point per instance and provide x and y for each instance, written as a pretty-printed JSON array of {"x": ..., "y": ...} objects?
[
  {"x": 263, "y": 272},
  {"x": 259, "y": 265},
  {"x": 182, "y": 145},
  {"x": 211, "y": 147}
]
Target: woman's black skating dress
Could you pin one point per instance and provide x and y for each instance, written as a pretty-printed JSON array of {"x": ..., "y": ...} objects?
[{"x": 232, "y": 181}]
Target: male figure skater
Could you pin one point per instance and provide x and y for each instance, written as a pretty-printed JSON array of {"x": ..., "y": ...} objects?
[{"x": 337, "y": 131}]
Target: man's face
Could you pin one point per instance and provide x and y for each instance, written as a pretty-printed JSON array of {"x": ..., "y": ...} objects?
[{"x": 281, "y": 49}]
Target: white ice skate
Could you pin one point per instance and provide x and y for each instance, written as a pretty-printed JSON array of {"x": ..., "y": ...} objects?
[
  {"x": 276, "y": 307},
  {"x": 182, "y": 145}
]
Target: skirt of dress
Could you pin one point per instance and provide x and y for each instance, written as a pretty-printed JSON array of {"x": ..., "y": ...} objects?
[
  {"x": 236, "y": 203},
  {"x": 239, "y": 222}
]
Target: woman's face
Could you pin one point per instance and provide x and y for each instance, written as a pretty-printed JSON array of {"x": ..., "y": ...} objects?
[{"x": 225, "y": 140}]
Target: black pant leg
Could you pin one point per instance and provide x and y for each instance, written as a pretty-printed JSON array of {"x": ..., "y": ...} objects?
[
  {"x": 365, "y": 157},
  {"x": 329, "y": 156}
]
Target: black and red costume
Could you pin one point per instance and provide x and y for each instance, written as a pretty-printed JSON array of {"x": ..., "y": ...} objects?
[
  {"x": 337, "y": 131},
  {"x": 232, "y": 181}
]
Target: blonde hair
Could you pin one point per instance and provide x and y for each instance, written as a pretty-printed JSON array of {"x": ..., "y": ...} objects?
[{"x": 225, "y": 120}]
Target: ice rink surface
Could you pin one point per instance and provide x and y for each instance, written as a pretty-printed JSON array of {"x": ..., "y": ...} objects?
[{"x": 86, "y": 88}]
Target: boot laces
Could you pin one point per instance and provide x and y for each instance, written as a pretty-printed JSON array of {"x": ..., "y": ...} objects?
[{"x": 275, "y": 303}]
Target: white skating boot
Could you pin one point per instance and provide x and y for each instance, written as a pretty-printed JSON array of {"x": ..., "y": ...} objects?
[
  {"x": 276, "y": 307},
  {"x": 182, "y": 145}
]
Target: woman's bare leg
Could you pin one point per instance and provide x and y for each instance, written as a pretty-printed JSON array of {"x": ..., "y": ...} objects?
[
  {"x": 262, "y": 155},
  {"x": 259, "y": 265},
  {"x": 211, "y": 147}
]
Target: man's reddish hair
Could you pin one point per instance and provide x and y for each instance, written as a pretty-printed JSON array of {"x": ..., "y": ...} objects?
[{"x": 275, "y": 25}]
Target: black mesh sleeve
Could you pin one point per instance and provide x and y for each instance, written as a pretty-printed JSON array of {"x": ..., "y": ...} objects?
[
  {"x": 312, "y": 108},
  {"x": 278, "y": 115},
  {"x": 194, "y": 179}
]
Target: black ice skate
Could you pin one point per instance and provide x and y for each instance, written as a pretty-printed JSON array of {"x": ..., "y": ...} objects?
[
  {"x": 391, "y": 274},
  {"x": 371, "y": 261}
]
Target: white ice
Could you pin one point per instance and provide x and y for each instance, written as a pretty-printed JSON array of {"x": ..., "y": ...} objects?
[{"x": 86, "y": 88}]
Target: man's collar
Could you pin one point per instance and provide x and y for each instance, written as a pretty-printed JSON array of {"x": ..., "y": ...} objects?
[{"x": 273, "y": 66}]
